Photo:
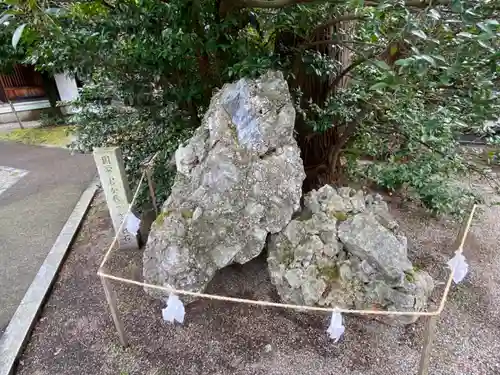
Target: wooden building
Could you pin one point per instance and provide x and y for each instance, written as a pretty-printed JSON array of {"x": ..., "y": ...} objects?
[
  {"x": 24, "y": 83},
  {"x": 27, "y": 90}
]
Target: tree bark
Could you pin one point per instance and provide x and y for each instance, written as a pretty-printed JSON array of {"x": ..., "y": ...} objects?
[{"x": 321, "y": 150}]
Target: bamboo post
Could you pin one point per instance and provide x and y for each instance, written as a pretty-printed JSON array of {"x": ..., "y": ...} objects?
[
  {"x": 13, "y": 109},
  {"x": 111, "y": 298},
  {"x": 147, "y": 166},
  {"x": 151, "y": 189},
  {"x": 430, "y": 328},
  {"x": 15, "y": 113}
]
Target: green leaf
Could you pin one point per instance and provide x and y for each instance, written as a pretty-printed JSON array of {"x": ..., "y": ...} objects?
[
  {"x": 456, "y": 6},
  {"x": 464, "y": 34},
  {"x": 434, "y": 14},
  {"x": 382, "y": 64},
  {"x": 444, "y": 79},
  {"x": 378, "y": 86},
  {"x": 483, "y": 26},
  {"x": 17, "y": 35},
  {"x": 484, "y": 45},
  {"x": 54, "y": 11},
  {"x": 470, "y": 12},
  {"x": 427, "y": 58},
  {"x": 439, "y": 57},
  {"x": 419, "y": 33},
  {"x": 404, "y": 62},
  {"x": 5, "y": 18},
  {"x": 394, "y": 49},
  {"x": 485, "y": 36},
  {"x": 384, "y": 6},
  {"x": 492, "y": 23}
]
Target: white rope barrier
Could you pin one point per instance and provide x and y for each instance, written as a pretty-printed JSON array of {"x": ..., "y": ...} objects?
[
  {"x": 463, "y": 233},
  {"x": 175, "y": 309}
]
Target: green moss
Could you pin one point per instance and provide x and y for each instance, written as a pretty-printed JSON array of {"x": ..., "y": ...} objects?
[
  {"x": 234, "y": 133},
  {"x": 287, "y": 255},
  {"x": 54, "y": 135},
  {"x": 330, "y": 273},
  {"x": 287, "y": 259},
  {"x": 409, "y": 276},
  {"x": 305, "y": 215},
  {"x": 340, "y": 216},
  {"x": 160, "y": 219},
  {"x": 187, "y": 214}
]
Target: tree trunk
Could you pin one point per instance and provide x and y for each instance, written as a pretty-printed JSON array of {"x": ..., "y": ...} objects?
[{"x": 320, "y": 150}]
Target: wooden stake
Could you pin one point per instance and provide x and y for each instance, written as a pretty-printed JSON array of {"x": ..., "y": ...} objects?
[
  {"x": 430, "y": 328},
  {"x": 151, "y": 189},
  {"x": 111, "y": 298},
  {"x": 15, "y": 114},
  {"x": 13, "y": 109}
]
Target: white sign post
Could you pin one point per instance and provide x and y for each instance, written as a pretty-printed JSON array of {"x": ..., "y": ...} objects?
[{"x": 109, "y": 163}]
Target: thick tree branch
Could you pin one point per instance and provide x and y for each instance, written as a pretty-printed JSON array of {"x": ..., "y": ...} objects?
[
  {"x": 322, "y": 42},
  {"x": 363, "y": 58},
  {"x": 336, "y": 20},
  {"x": 346, "y": 71},
  {"x": 349, "y": 130},
  {"x": 335, "y": 41}
]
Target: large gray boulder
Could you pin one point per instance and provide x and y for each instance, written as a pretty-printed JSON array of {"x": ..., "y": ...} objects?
[
  {"x": 344, "y": 250},
  {"x": 238, "y": 179}
]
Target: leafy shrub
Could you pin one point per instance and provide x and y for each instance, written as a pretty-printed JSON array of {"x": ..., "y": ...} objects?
[
  {"x": 138, "y": 132},
  {"x": 48, "y": 119},
  {"x": 389, "y": 81}
]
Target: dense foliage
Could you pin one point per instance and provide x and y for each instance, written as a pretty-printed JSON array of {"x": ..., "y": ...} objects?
[{"x": 390, "y": 83}]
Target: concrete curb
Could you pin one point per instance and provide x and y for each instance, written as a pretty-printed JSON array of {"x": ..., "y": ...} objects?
[{"x": 19, "y": 329}]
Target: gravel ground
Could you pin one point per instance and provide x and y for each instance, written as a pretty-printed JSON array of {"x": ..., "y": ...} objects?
[{"x": 75, "y": 334}]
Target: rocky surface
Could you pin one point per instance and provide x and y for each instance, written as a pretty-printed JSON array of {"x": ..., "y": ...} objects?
[
  {"x": 344, "y": 250},
  {"x": 238, "y": 178}
]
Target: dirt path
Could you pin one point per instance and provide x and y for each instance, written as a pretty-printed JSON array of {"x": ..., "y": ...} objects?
[{"x": 75, "y": 334}]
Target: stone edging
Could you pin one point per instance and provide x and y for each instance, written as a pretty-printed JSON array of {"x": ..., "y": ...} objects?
[{"x": 19, "y": 329}]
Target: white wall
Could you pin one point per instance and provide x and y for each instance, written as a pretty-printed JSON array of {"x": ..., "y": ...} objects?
[{"x": 66, "y": 85}]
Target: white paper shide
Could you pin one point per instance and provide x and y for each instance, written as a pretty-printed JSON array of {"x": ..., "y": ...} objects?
[
  {"x": 459, "y": 266},
  {"x": 174, "y": 310},
  {"x": 336, "y": 328},
  {"x": 132, "y": 223}
]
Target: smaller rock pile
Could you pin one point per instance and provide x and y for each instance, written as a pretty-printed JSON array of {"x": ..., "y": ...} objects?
[{"x": 345, "y": 250}]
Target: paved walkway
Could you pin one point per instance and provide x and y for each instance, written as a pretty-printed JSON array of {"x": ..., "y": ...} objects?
[{"x": 39, "y": 188}]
